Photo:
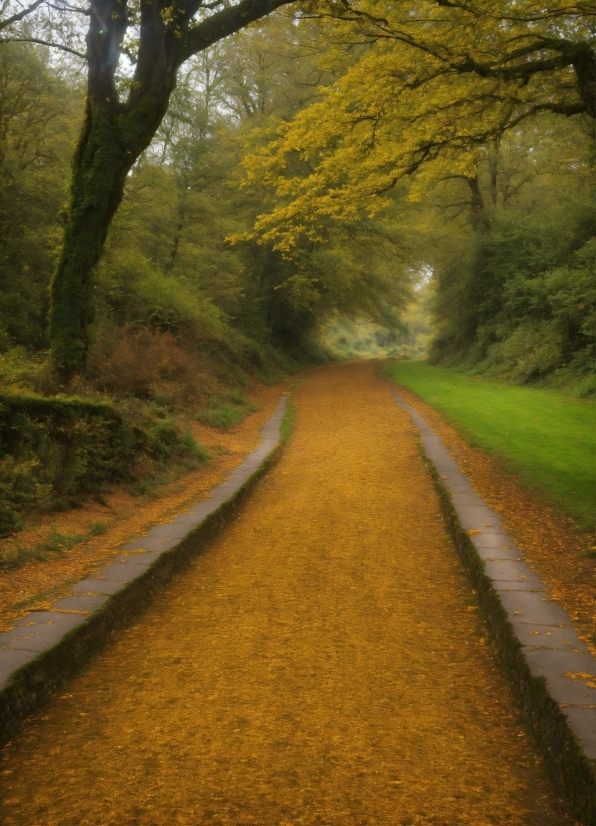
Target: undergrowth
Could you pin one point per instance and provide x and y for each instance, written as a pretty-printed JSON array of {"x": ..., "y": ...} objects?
[
  {"x": 56, "y": 450},
  {"x": 225, "y": 409},
  {"x": 54, "y": 545}
]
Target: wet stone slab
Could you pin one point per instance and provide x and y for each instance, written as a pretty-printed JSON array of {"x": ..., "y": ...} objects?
[
  {"x": 582, "y": 721},
  {"x": 145, "y": 559},
  {"x": 465, "y": 497},
  {"x": 506, "y": 585},
  {"x": 536, "y": 608},
  {"x": 203, "y": 509},
  {"x": 478, "y": 517},
  {"x": 495, "y": 545},
  {"x": 549, "y": 636},
  {"x": 157, "y": 544},
  {"x": 189, "y": 520},
  {"x": 40, "y": 636},
  {"x": 550, "y": 644},
  {"x": 512, "y": 570},
  {"x": 122, "y": 572},
  {"x": 86, "y": 604},
  {"x": 555, "y": 665},
  {"x": 96, "y": 586}
]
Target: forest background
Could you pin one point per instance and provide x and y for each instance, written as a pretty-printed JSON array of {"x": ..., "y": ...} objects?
[{"x": 328, "y": 182}]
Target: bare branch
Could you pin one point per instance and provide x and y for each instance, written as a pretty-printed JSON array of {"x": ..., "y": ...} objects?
[
  {"x": 48, "y": 43},
  {"x": 20, "y": 15},
  {"x": 67, "y": 7}
]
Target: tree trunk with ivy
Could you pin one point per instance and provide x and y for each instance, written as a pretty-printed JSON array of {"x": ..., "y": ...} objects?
[{"x": 115, "y": 132}]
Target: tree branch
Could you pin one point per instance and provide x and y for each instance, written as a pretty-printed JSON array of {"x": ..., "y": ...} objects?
[
  {"x": 20, "y": 15},
  {"x": 44, "y": 43},
  {"x": 67, "y": 7},
  {"x": 225, "y": 22}
]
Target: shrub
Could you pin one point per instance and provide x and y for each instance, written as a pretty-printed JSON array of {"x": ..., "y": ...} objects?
[
  {"x": 55, "y": 449},
  {"x": 98, "y": 528},
  {"x": 20, "y": 490},
  {"x": 141, "y": 363}
]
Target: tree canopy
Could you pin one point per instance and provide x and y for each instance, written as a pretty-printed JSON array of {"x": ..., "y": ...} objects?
[{"x": 418, "y": 85}]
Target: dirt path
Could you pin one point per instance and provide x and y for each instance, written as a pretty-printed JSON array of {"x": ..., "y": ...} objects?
[{"x": 320, "y": 665}]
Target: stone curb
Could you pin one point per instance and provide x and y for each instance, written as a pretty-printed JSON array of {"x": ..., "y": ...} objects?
[
  {"x": 535, "y": 639},
  {"x": 46, "y": 646}
]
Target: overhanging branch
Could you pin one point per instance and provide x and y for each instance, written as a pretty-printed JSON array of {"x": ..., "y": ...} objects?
[
  {"x": 226, "y": 22},
  {"x": 48, "y": 43}
]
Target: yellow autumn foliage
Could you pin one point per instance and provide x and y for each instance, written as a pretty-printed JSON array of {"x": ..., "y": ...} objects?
[{"x": 424, "y": 86}]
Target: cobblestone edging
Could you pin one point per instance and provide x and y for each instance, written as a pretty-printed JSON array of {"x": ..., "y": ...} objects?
[
  {"x": 535, "y": 639},
  {"x": 46, "y": 646}
]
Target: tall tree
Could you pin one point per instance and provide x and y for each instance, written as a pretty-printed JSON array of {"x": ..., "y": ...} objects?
[{"x": 121, "y": 118}]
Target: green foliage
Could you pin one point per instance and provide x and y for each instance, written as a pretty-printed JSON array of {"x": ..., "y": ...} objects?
[
  {"x": 54, "y": 450},
  {"x": 20, "y": 489},
  {"x": 60, "y": 445},
  {"x": 225, "y": 409},
  {"x": 223, "y": 417},
  {"x": 137, "y": 293},
  {"x": 515, "y": 292},
  {"x": 39, "y": 118},
  {"x": 56, "y": 543},
  {"x": 98, "y": 528},
  {"x": 20, "y": 370},
  {"x": 546, "y": 437}
]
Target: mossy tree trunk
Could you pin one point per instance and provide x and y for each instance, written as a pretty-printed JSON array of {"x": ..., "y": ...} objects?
[{"x": 115, "y": 132}]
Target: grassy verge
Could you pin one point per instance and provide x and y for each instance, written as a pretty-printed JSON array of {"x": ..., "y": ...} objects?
[{"x": 547, "y": 438}]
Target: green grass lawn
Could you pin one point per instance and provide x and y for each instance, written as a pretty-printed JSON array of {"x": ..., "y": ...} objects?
[{"x": 546, "y": 437}]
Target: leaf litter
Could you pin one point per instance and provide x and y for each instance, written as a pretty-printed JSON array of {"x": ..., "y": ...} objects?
[{"x": 318, "y": 666}]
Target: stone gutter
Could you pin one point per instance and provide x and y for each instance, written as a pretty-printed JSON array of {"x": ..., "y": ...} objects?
[
  {"x": 45, "y": 647},
  {"x": 535, "y": 640}
]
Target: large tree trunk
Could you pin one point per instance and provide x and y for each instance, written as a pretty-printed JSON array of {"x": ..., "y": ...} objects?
[
  {"x": 114, "y": 135},
  {"x": 99, "y": 172}
]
